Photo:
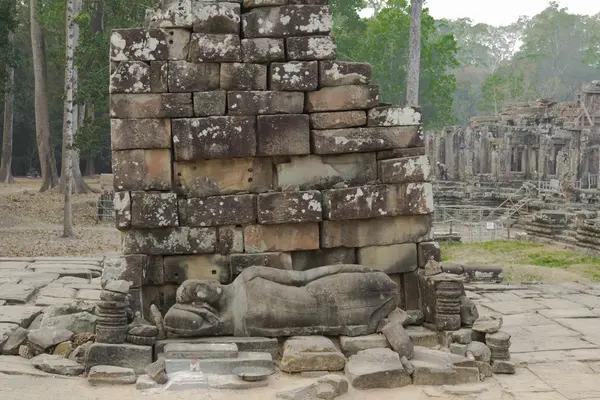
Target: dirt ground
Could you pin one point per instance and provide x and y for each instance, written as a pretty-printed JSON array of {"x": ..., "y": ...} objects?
[{"x": 31, "y": 222}]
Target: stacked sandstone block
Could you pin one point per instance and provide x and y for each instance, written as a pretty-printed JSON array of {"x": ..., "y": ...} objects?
[{"x": 238, "y": 140}]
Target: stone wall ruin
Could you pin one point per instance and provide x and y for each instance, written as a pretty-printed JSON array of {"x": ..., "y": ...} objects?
[{"x": 239, "y": 140}]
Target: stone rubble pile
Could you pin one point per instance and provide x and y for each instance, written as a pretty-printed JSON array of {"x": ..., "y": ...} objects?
[{"x": 239, "y": 140}]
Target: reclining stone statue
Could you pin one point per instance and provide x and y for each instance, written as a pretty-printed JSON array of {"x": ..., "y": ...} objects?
[{"x": 346, "y": 300}]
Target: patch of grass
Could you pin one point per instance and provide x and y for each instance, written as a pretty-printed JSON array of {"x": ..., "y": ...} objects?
[{"x": 563, "y": 259}]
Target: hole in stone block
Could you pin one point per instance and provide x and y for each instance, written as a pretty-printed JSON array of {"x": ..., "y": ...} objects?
[
  {"x": 249, "y": 179},
  {"x": 179, "y": 174},
  {"x": 214, "y": 271},
  {"x": 250, "y": 170},
  {"x": 170, "y": 42}
]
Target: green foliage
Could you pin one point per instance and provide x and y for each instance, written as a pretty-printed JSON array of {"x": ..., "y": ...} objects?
[
  {"x": 8, "y": 24},
  {"x": 382, "y": 41}
]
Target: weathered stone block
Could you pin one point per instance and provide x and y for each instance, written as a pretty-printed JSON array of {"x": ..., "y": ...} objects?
[
  {"x": 365, "y": 139},
  {"x": 337, "y": 120},
  {"x": 127, "y": 134},
  {"x": 305, "y": 260},
  {"x": 149, "y": 44},
  {"x": 170, "y": 14},
  {"x": 418, "y": 198},
  {"x": 126, "y": 268},
  {"x": 151, "y": 105},
  {"x": 120, "y": 355},
  {"x": 237, "y": 209},
  {"x": 317, "y": 172},
  {"x": 263, "y": 50},
  {"x": 403, "y": 170},
  {"x": 362, "y": 202},
  {"x": 342, "y": 98},
  {"x": 225, "y": 176},
  {"x": 339, "y": 73},
  {"x": 216, "y": 18},
  {"x": 287, "y": 21},
  {"x": 193, "y": 77},
  {"x": 394, "y": 116},
  {"x": 215, "y": 48},
  {"x": 207, "y": 104},
  {"x": 265, "y": 238},
  {"x": 163, "y": 296},
  {"x": 283, "y": 135},
  {"x": 311, "y": 353},
  {"x": 391, "y": 259},
  {"x": 410, "y": 290},
  {"x": 352, "y": 345},
  {"x": 159, "y": 76},
  {"x": 142, "y": 169},
  {"x": 182, "y": 240},
  {"x": 401, "y": 153},
  {"x": 376, "y": 368},
  {"x": 213, "y": 137},
  {"x": 153, "y": 210},
  {"x": 265, "y": 102},
  {"x": 374, "y": 232},
  {"x": 243, "y": 76},
  {"x": 122, "y": 206},
  {"x": 299, "y": 76},
  {"x": 206, "y": 267},
  {"x": 307, "y": 48},
  {"x": 130, "y": 77},
  {"x": 263, "y": 3},
  {"x": 427, "y": 251},
  {"x": 286, "y": 207},
  {"x": 231, "y": 239},
  {"x": 277, "y": 260}
]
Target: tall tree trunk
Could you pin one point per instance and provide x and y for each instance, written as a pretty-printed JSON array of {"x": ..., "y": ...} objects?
[
  {"x": 9, "y": 102},
  {"x": 414, "y": 57},
  {"x": 79, "y": 185},
  {"x": 70, "y": 119},
  {"x": 42, "y": 121}
]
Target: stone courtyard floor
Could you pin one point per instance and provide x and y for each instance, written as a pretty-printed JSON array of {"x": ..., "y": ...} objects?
[{"x": 555, "y": 332}]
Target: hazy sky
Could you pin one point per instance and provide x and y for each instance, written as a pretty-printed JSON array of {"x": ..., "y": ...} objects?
[{"x": 503, "y": 12}]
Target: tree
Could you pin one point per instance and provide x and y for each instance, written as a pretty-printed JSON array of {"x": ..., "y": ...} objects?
[
  {"x": 42, "y": 121},
  {"x": 69, "y": 118},
  {"x": 7, "y": 12},
  {"x": 414, "y": 55}
]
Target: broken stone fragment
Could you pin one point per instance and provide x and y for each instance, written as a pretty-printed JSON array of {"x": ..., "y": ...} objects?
[
  {"x": 462, "y": 336},
  {"x": 338, "y": 73},
  {"x": 503, "y": 367},
  {"x": 398, "y": 339},
  {"x": 263, "y": 50},
  {"x": 157, "y": 372},
  {"x": 110, "y": 375},
  {"x": 15, "y": 340},
  {"x": 415, "y": 317},
  {"x": 215, "y": 48},
  {"x": 311, "y": 353},
  {"x": 291, "y": 20},
  {"x": 480, "y": 351},
  {"x": 119, "y": 286},
  {"x": 302, "y": 76},
  {"x": 376, "y": 368},
  {"x": 427, "y": 251},
  {"x": 43, "y": 339},
  {"x": 308, "y": 48},
  {"x": 433, "y": 268},
  {"x": 63, "y": 349},
  {"x": 468, "y": 311},
  {"x": 79, "y": 353},
  {"x": 352, "y": 345},
  {"x": 56, "y": 364},
  {"x": 488, "y": 324},
  {"x": 407, "y": 365},
  {"x": 146, "y": 45},
  {"x": 157, "y": 318}
]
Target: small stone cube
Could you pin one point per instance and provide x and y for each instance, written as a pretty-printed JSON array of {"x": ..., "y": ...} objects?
[
  {"x": 193, "y": 77},
  {"x": 341, "y": 73},
  {"x": 282, "y": 207},
  {"x": 287, "y": 20},
  {"x": 216, "y": 18},
  {"x": 142, "y": 169},
  {"x": 283, "y": 135},
  {"x": 215, "y": 48},
  {"x": 308, "y": 48},
  {"x": 207, "y": 104},
  {"x": 394, "y": 116},
  {"x": 299, "y": 76},
  {"x": 265, "y": 102},
  {"x": 243, "y": 76},
  {"x": 130, "y": 77},
  {"x": 153, "y": 210},
  {"x": 404, "y": 170},
  {"x": 237, "y": 209},
  {"x": 263, "y": 50},
  {"x": 128, "y": 134}
]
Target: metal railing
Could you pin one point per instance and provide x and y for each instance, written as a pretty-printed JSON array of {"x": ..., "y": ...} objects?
[
  {"x": 105, "y": 208},
  {"x": 472, "y": 224}
]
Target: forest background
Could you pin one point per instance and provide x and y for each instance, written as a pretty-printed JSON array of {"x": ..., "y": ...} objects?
[{"x": 467, "y": 68}]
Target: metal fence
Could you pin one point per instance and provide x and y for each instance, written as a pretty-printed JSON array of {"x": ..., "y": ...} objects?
[
  {"x": 472, "y": 224},
  {"x": 105, "y": 209}
]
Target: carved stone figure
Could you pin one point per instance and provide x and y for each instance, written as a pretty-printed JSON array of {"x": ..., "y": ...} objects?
[{"x": 345, "y": 300}]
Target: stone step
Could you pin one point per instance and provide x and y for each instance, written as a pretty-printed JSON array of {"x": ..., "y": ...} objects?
[
  {"x": 245, "y": 344},
  {"x": 200, "y": 350},
  {"x": 221, "y": 366}
]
